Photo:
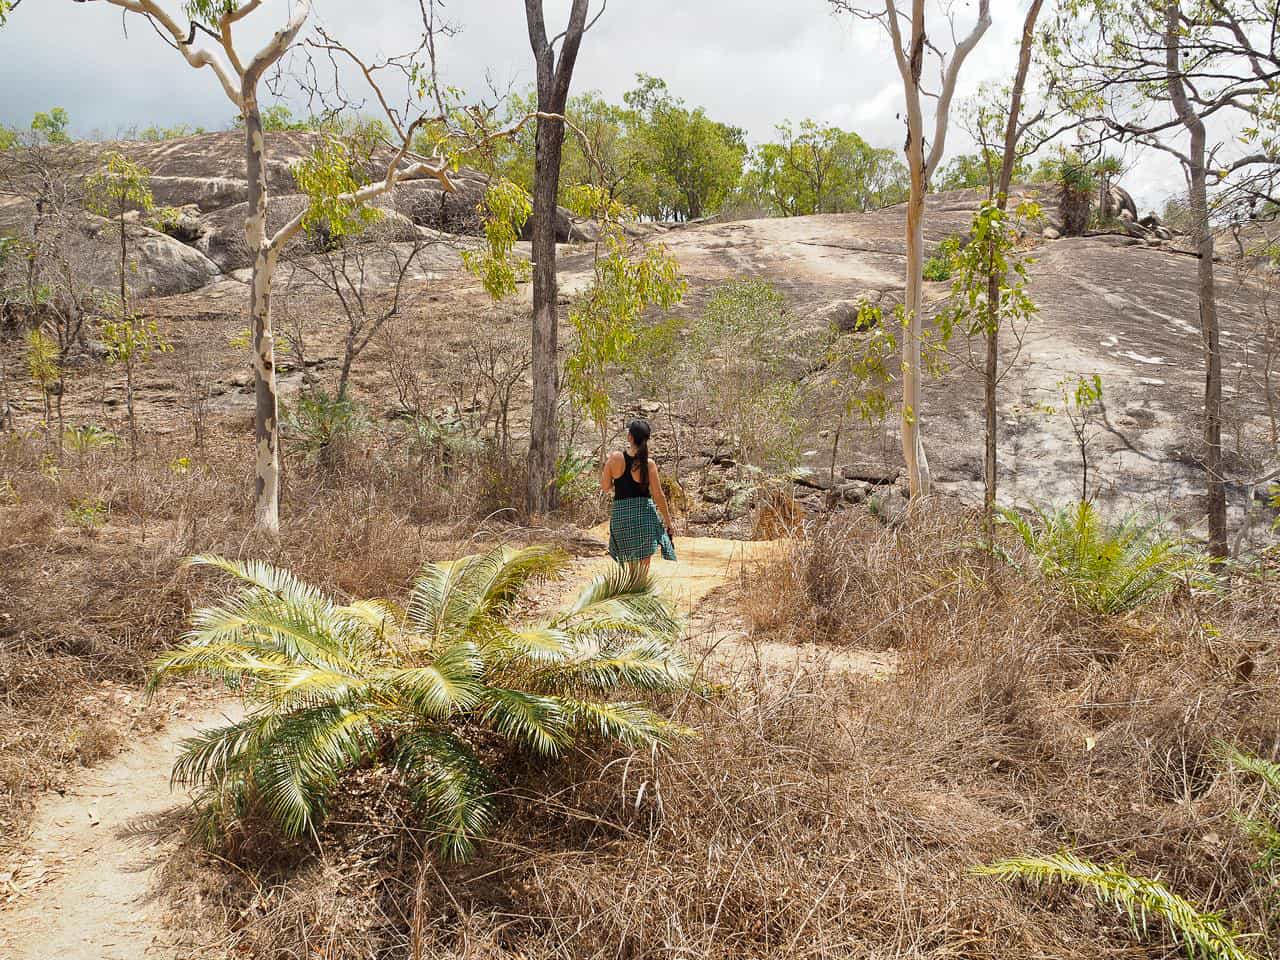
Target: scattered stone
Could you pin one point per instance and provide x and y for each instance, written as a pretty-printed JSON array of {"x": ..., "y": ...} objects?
[
  {"x": 650, "y": 407},
  {"x": 855, "y": 492},
  {"x": 707, "y": 515},
  {"x": 807, "y": 477},
  {"x": 717, "y": 491},
  {"x": 888, "y": 504},
  {"x": 1051, "y": 233},
  {"x": 869, "y": 474}
]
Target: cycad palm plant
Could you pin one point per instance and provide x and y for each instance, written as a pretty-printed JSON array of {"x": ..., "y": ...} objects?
[
  {"x": 1110, "y": 568},
  {"x": 329, "y": 685}
]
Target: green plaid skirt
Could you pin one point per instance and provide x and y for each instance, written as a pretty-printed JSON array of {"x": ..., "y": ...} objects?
[{"x": 636, "y": 531}]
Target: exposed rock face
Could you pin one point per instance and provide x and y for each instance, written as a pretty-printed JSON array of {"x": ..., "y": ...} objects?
[
  {"x": 1109, "y": 305},
  {"x": 204, "y": 177},
  {"x": 158, "y": 265}
]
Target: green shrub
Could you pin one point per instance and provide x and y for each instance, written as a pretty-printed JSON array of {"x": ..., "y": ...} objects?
[
  {"x": 88, "y": 438},
  {"x": 317, "y": 421},
  {"x": 88, "y": 514},
  {"x": 432, "y": 688},
  {"x": 1108, "y": 568}
]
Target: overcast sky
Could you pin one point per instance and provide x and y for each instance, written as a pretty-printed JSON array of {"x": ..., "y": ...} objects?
[{"x": 752, "y": 63}]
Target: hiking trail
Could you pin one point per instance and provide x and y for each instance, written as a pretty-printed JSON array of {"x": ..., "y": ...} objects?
[{"x": 83, "y": 885}]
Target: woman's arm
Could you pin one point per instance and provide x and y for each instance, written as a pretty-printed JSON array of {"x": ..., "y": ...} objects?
[
  {"x": 612, "y": 470},
  {"x": 660, "y": 496}
]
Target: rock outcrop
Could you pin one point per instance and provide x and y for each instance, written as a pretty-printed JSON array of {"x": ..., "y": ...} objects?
[{"x": 203, "y": 177}]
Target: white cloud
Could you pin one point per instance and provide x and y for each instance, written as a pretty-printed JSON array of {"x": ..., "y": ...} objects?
[{"x": 752, "y": 63}]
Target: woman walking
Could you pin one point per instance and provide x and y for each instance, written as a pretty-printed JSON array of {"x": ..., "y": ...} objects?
[{"x": 636, "y": 532}]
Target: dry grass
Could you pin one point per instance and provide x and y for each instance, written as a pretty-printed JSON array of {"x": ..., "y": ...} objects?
[
  {"x": 92, "y": 582},
  {"x": 819, "y": 815}
]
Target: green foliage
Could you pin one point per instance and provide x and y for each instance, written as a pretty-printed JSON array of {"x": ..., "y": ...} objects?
[
  {"x": 317, "y": 421},
  {"x": 330, "y": 177},
  {"x": 120, "y": 185},
  {"x": 156, "y": 133},
  {"x": 51, "y": 127},
  {"x": 742, "y": 337},
  {"x": 506, "y": 208},
  {"x": 88, "y": 438},
  {"x": 938, "y": 267},
  {"x": 977, "y": 170},
  {"x": 435, "y": 687},
  {"x": 43, "y": 360},
  {"x": 8, "y": 138},
  {"x": 131, "y": 341},
  {"x": 575, "y": 477},
  {"x": 1202, "y": 935},
  {"x": 687, "y": 164},
  {"x": 860, "y": 368},
  {"x": 991, "y": 252},
  {"x": 278, "y": 118},
  {"x": 605, "y": 319},
  {"x": 1264, "y": 826},
  {"x": 1108, "y": 568},
  {"x": 208, "y": 11},
  {"x": 817, "y": 169},
  {"x": 88, "y": 514}
]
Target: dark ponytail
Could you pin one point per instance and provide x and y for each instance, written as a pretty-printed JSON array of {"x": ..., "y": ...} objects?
[{"x": 639, "y": 432}]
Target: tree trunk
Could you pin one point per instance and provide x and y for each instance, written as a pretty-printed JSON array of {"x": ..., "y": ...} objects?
[
  {"x": 1202, "y": 236},
  {"x": 266, "y": 490},
  {"x": 1216, "y": 484},
  {"x": 124, "y": 266},
  {"x": 541, "y": 495},
  {"x": 133, "y": 421},
  {"x": 991, "y": 367},
  {"x": 912, "y": 446}
]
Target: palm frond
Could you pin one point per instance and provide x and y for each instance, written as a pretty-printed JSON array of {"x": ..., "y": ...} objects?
[
  {"x": 451, "y": 788},
  {"x": 646, "y": 664},
  {"x": 300, "y": 765},
  {"x": 208, "y": 756},
  {"x": 532, "y": 720},
  {"x": 1203, "y": 935},
  {"x": 537, "y": 644},
  {"x": 260, "y": 574},
  {"x": 449, "y": 684},
  {"x": 632, "y": 724},
  {"x": 447, "y": 599},
  {"x": 624, "y": 600},
  {"x": 1265, "y": 770},
  {"x": 314, "y": 633}
]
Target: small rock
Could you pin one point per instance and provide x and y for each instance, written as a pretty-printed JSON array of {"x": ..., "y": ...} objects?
[
  {"x": 889, "y": 505},
  {"x": 868, "y": 474},
  {"x": 649, "y": 407},
  {"x": 1050, "y": 233},
  {"x": 811, "y": 479},
  {"x": 855, "y": 492},
  {"x": 716, "y": 492}
]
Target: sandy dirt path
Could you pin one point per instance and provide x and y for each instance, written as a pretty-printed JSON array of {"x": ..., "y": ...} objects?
[
  {"x": 84, "y": 885},
  {"x": 705, "y": 564}
]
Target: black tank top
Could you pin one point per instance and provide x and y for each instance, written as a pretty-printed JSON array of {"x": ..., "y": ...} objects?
[{"x": 626, "y": 487}]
